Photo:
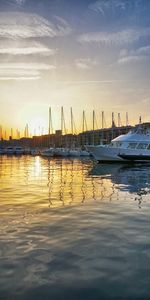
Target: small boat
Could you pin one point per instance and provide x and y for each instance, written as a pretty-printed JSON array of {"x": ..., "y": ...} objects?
[
  {"x": 78, "y": 152},
  {"x": 48, "y": 152},
  {"x": 18, "y": 150},
  {"x": 35, "y": 151},
  {"x": 74, "y": 152},
  {"x": 27, "y": 151},
  {"x": 84, "y": 153},
  {"x": 62, "y": 152},
  {"x": 2, "y": 151},
  {"x": 133, "y": 146},
  {"x": 10, "y": 150}
]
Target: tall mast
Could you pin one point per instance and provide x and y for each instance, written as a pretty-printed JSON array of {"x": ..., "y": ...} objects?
[
  {"x": 102, "y": 119},
  {"x": 1, "y": 133},
  {"x": 27, "y": 130},
  {"x": 49, "y": 129},
  {"x": 71, "y": 121},
  {"x": 62, "y": 113},
  {"x": 93, "y": 125},
  {"x": 11, "y": 133},
  {"x": 83, "y": 121},
  {"x": 127, "y": 121},
  {"x": 113, "y": 120},
  {"x": 119, "y": 120}
]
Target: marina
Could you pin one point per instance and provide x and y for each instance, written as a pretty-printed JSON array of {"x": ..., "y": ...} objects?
[{"x": 74, "y": 150}]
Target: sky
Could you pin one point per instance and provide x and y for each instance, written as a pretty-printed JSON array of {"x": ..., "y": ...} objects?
[{"x": 85, "y": 54}]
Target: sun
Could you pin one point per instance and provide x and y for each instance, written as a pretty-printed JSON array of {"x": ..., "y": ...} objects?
[{"x": 37, "y": 126}]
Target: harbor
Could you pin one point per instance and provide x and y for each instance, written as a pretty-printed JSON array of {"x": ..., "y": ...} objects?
[
  {"x": 72, "y": 141},
  {"x": 74, "y": 150}
]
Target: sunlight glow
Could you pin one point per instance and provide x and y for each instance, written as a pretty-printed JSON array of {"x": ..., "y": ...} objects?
[{"x": 37, "y": 126}]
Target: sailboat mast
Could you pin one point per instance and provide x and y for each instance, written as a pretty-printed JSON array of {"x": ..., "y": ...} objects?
[
  {"x": 93, "y": 125},
  {"x": 49, "y": 130},
  {"x": 71, "y": 120},
  {"x": 102, "y": 119},
  {"x": 127, "y": 120},
  {"x": 83, "y": 121},
  {"x": 62, "y": 118}
]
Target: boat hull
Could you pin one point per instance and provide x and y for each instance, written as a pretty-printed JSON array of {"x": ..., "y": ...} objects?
[
  {"x": 135, "y": 157},
  {"x": 104, "y": 153}
]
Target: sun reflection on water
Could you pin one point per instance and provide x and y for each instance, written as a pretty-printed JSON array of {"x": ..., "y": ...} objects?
[{"x": 40, "y": 182}]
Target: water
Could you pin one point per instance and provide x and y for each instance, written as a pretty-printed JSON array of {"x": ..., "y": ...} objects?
[{"x": 72, "y": 229}]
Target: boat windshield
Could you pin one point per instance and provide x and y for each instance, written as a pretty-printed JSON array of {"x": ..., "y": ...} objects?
[
  {"x": 142, "y": 146},
  {"x": 132, "y": 145}
]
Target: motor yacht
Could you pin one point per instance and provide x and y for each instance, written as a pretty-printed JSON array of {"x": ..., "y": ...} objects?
[{"x": 133, "y": 146}]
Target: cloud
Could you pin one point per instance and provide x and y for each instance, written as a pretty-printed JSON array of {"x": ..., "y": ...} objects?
[
  {"x": 103, "y": 7},
  {"x": 144, "y": 50},
  {"x": 25, "y": 48},
  {"x": 14, "y": 3},
  {"x": 16, "y": 25},
  {"x": 85, "y": 63},
  {"x": 19, "y": 78},
  {"x": 20, "y": 2},
  {"x": 26, "y": 66},
  {"x": 22, "y": 71},
  {"x": 137, "y": 55},
  {"x": 127, "y": 36},
  {"x": 131, "y": 59}
]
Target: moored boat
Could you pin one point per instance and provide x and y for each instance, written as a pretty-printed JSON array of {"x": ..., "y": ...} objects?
[
  {"x": 18, "y": 150},
  {"x": 48, "y": 152},
  {"x": 133, "y": 146},
  {"x": 10, "y": 150}
]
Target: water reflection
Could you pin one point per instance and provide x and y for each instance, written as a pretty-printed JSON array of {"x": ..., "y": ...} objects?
[
  {"x": 36, "y": 181},
  {"x": 70, "y": 227},
  {"x": 134, "y": 179}
]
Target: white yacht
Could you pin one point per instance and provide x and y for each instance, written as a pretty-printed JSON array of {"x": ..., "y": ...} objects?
[
  {"x": 48, "y": 152},
  {"x": 133, "y": 146}
]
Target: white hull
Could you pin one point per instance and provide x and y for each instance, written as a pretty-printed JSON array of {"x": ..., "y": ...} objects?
[
  {"x": 19, "y": 151},
  {"x": 104, "y": 153},
  {"x": 10, "y": 151},
  {"x": 48, "y": 152}
]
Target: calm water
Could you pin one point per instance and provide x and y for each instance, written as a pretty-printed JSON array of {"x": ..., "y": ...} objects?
[{"x": 72, "y": 229}]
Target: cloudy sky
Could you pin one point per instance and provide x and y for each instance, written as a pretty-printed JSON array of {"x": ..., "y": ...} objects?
[{"x": 82, "y": 53}]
